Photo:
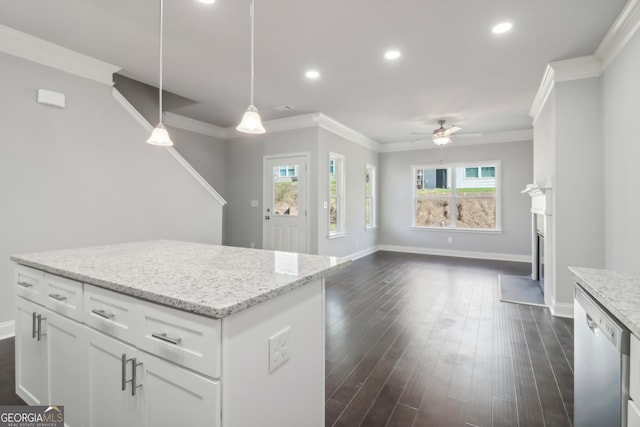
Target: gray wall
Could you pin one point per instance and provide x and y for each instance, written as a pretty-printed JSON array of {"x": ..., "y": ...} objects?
[
  {"x": 621, "y": 104},
  {"x": 245, "y": 179},
  {"x": 83, "y": 175},
  {"x": 397, "y": 208},
  {"x": 356, "y": 156}
]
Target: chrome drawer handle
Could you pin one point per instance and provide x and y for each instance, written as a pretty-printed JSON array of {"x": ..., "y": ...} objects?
[
  {"x": 25, "y": 284},
  {"x": 40, "y": 319},
  {"x": 163, "y": 337},
  {"x": 134, "y": 376},
  {"x": 103, "y": 313},
  {"x": 58, "y": 297}
]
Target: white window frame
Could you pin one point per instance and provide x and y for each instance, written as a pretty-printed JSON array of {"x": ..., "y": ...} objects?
[
  {"x": 373, "y": 183},
  {"x": 339, "y": 162},
  {"x": 452, "y": 167}
]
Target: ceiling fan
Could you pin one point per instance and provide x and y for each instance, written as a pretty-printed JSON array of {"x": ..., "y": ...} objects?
[{"x": 442, "y": 135}]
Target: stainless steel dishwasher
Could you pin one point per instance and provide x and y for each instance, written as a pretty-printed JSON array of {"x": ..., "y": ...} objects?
[{"x": 601, "y": 365}]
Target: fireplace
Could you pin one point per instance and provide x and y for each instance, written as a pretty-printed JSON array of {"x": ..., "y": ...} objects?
[{"x": 541, "y": 227}]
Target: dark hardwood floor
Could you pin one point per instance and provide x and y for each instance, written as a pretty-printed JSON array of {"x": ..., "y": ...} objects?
[{"x": 417, "y": 340}]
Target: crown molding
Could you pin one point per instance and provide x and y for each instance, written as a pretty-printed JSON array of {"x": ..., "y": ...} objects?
[
  {"x": 624, "y": 27},
  {"x": 34, "y": 49},
  {"x": 311, "y": 120},
  {"x": 491, "y": 138},
  {"x": 584, "y": 67},
  {"x": 193, "y": 125},
  {"x": 172, "y": 151},
  {"x": 326, "y": 122}
]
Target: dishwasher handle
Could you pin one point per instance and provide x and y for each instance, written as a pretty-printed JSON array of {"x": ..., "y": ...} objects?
[{"x": 592, "y": 324}]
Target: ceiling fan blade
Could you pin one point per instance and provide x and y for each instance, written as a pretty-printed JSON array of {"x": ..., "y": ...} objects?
[
  {"x": 420, "y": 133},
  {"x": 452, "y": 130}
]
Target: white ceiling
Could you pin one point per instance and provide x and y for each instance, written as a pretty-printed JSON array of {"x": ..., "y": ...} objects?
[{"x": 452, "y": 66}]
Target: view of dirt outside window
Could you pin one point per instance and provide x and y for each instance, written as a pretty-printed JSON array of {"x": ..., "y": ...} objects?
[
  {"x": 285, "y": 190},
  {"x": 456, "y": 197}
]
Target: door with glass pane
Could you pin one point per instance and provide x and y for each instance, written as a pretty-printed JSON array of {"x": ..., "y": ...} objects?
[{"x": 285, "y": 204}]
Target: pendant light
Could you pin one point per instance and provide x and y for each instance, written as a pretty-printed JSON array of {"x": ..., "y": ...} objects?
[
  {"x": 251, "y": 122},
  {"x": 159, "y": 135}
]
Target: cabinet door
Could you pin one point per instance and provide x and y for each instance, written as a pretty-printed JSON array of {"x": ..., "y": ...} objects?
[
  {"x": 634, "y": 369},
  {"x": 633, "y": 416},
  {"x": 174, "y": 396},
  {"x": 108, "y": 404},
  {"x": 31, "y": 355},
  {"x": 66, "y": 371}
]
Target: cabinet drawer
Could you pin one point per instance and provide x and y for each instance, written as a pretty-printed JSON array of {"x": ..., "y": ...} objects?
[
  {"x": 29, "y": 283},
  {"x": 63, "y": 296},
  {"x": 184, "y": 338},
  {"x": 110, "y": 312},
  {"x": 634, "y": 368}
]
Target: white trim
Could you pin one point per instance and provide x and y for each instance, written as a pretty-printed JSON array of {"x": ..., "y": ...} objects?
[
  {"x": 326, "y": 122},
  {"x": 562, "y": 310},
  {"x": 336, "y": 235},
  {"x": 374, "y": 197},
  {"x": 341, "y": 193},
  {"x": 456, "y": 253},
  {"x": 620, "y": 33},
  {"x": 489, "y": 138},
  {"x": 561, "y": 71},
  {"x": 363, "y": 253},
  {"x": 7, "y": 329},
  {"x": 181, "y": 160},
  {"x": 43, "y": 52},
  {"x": 197, "y": 126},
  {"x": 457, "y": 230}
]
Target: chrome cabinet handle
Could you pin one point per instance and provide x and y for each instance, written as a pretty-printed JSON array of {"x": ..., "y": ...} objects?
[
  {"x": 103, "y": 313},
  {"x": 134, "y": 375},
  {"x": 58, "y": 297},
  {"x": 40, "y": 319},
  {"x": 124, "y": 371},
  {"x": 25, "y": 284},
  {"x": 33, "y": 325},
  {"x": 163, "y": 337}
]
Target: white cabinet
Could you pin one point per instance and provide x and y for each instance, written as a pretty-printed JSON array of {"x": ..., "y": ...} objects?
[
  {"x": 50, "y": 370},
  {"x": 634, "y": 369},
  {"x": 31, "y": 355},
  {"x": 633, "y": 415}
]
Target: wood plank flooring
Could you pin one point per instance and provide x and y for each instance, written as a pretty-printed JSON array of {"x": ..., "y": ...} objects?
[{"x": 417, "y": 340}]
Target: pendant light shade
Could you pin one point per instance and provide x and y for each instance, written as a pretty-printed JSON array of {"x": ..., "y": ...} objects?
[
  {"x": 441, "y": 140},
  {"x": 251, "y": 122},
  {"x": 159, "y": 135}
]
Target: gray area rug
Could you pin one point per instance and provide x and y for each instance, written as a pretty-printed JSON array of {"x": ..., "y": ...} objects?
[{"x": 520, "y": 290}]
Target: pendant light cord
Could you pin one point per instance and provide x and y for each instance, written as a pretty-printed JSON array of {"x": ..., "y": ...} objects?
[
  {"x": 251, "y": 12},
  {"x": 160, "y": 86}
]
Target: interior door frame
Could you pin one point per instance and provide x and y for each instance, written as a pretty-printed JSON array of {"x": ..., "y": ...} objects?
[{"x": 307, "y": 188}]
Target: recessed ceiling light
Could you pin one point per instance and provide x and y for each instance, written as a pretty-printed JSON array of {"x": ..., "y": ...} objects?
[
  {"x": 312, "y": 74},
  {"x": 502, "y": 27},
  {"x": 207, "y": 1},
  {"x": 392, "y": 54}
]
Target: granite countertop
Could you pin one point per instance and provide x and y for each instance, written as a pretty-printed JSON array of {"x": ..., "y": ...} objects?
[
  {"x": 617, "y": 292},
  {"x": 211, "y": 280}
]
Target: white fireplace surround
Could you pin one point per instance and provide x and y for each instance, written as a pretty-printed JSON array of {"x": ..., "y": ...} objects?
[{"x": 541, "y": 211}]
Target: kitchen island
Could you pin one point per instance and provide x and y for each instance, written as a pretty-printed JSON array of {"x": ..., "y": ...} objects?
[{"x": 167, "y": 333}]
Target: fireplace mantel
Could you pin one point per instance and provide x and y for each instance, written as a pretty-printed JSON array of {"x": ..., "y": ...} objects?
[{"x": 540, "y": 199}]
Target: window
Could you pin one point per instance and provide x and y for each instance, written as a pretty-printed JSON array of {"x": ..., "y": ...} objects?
[
  {"x": 288, "y": 171},
  {"x": 285, "y": 190},
  {"x": 457, "y": 196},
  {"x": 336, "y": 195},
  {"x": 369, "y": 196}
]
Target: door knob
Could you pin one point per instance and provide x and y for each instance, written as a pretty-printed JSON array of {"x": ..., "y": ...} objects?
[{"x": 267, "y": 217}]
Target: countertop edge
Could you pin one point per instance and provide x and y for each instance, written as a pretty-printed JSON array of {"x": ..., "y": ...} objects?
[{"x": 187, "y": 306}]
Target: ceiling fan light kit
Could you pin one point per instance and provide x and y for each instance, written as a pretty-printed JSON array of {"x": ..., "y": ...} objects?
[{"x": 159, "y": 135}]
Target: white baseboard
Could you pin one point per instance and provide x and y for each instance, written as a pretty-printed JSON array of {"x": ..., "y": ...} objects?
[
  {"x": 455, "y": 253},
  {"x": 7, "y": 329},
  {"x": 363, "y": 253},
  {"x": 560, "y": 309}
]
